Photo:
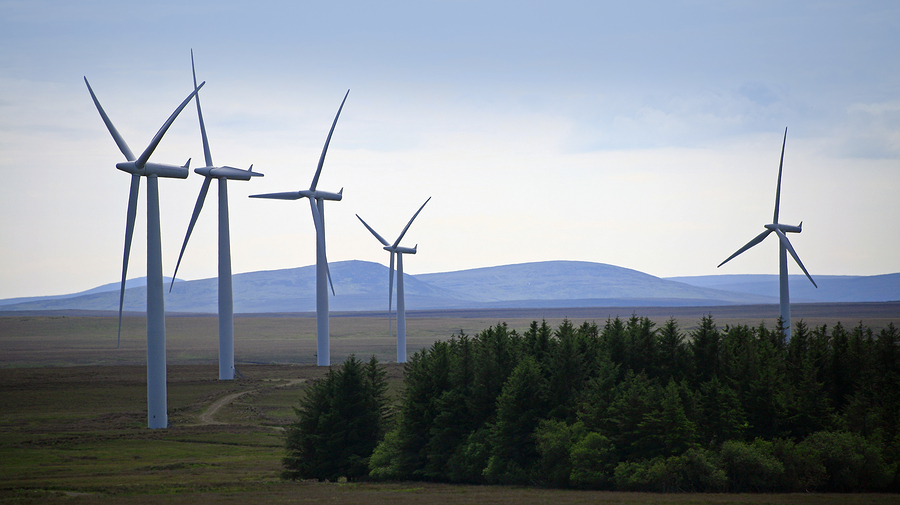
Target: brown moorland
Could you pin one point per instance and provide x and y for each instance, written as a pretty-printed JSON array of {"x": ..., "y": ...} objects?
[
  {"x": 75, "y": 338},
  {"x": 73, "y": 426}
]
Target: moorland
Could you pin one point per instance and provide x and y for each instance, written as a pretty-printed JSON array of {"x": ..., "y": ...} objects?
[{"x": 74, "y": 430}]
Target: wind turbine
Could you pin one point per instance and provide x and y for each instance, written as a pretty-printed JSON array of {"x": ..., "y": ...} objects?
[
  {"x": 401, "y": 304},
  {"x": 784, "y": 247},
  {"x": 226, "y": 299},
  {"x": 317, "y": 204},
  {"x": 156, "y": 312}
]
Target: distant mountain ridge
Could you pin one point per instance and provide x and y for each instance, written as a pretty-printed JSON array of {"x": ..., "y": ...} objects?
[
  {"x": 362, "y": 286},
  {"x": 832, "y": 288}
]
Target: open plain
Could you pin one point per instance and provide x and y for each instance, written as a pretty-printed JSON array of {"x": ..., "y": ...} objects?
[{"x": 73, "y": 427}]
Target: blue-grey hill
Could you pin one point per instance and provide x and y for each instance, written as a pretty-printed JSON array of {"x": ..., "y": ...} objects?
[{"x": 362, "y": 286}]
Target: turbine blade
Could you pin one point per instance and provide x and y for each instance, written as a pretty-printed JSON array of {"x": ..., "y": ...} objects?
[
  {"x": 379, "y": 237},
  {"x": 390, "y": 293},
  {"x": 328, "y": 271},
  {"x": 197, "y": 206},
  {"x": 397, "y": 242},
  {"x": 778, "y": 189},
  {"x": 206, "y": 153},
  {"x": 759, "y": 238},
  {"x": 129, "y": 234},
  {"x": 315, "y": 180},
  {"x": 142, "y": 159},
  {"x": 109, "y": 126},
  {"x": 790, "y": 248},
  {"x": 320, "y": 232},
  {"x": 288, "y": 195}
]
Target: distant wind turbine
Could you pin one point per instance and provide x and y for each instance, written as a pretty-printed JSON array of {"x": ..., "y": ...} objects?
[
  {"x": 784, "y": 247},
  {"x": 226, "y": 299},
  {"x": 157, "y": 416},
  {"x": 401, "y": 304},
  {"x": 317, "y": 204}
]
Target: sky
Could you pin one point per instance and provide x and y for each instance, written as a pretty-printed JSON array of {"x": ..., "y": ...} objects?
[{"x": 645, "y": 135}]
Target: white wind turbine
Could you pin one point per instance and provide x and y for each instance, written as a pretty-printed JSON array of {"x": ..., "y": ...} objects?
[
  {"x": 317, "y": 204},
  {"x": 226, "y": 299},
  {"x": 157, "y": 416},
  {"x": 784, "y": 247},
  {"x": 401, "y": 303}
]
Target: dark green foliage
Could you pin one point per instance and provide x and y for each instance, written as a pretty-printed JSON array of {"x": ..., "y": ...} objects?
[
  {"x": 666, "y": 429},
  {"x": 593, "y": 460},
  {"x": 705, "y": 350},
  {"x": 554, "y": 442},
  {"x": 695, "y": 470},
  {"x": 632, "y": 406},
  {"x": 672, "y": 353},
  {"x": 340, "y": 420},
  {"x": 751, "y": 467},
  {"x": 520, "y": 407},
  {"x": 721, "y": 415},
  {"x": 851, "y": 462}
]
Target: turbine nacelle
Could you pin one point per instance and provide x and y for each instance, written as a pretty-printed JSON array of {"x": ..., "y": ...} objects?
[
  {"x": 315, "y": 194},
  {"x": 401, "y": 250},
  {"x": 304, "y": 193},
  {"x": 231, "y": 173},
  {"x": 786, "y": 228},
  {"x": 158, "y": 169}
]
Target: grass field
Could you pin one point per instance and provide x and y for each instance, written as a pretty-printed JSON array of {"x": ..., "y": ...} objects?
[
  {"x": 65, "y": 340},
  {"x": 73, "y": 423}
]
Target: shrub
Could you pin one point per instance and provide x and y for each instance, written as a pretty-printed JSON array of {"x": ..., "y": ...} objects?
[
  {"x": 695, "y": 470},
  {"x": 751, "y": 467},
  {"x": 593, "y": 462},
  {"x": 851, "y": 462}
]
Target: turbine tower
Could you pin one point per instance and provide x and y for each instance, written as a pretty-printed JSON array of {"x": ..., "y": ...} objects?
[
  {"x": 226, "y": 299},
  {"x": 401, "y": 303},
  {"x": 317, "y": 204},
  {"x": 784, "y": 247},
  {"x": 156, "y": 312}
]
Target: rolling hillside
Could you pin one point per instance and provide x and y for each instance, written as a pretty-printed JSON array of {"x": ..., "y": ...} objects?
[
  {"x": 362, "y": 286},
  {"x": 832, "y": 288}
]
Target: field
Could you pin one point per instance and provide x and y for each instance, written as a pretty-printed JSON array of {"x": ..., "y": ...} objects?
[
  {"x": 73, "y": 426},
  {"x": 66, "y": 339}
]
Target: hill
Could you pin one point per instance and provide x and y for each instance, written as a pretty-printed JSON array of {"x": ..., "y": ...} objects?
[
  {"x": 832, "y": 288},
  {"x": 362, "y": 286}
]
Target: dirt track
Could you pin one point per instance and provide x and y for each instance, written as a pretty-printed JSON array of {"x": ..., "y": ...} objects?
[{"x": 207, "y": 416}]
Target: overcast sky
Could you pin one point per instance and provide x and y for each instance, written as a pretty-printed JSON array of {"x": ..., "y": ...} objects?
[{"x": 641, "y": 134}]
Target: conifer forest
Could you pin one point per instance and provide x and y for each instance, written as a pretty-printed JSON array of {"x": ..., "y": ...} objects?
[{"x": 625, "y": 405}]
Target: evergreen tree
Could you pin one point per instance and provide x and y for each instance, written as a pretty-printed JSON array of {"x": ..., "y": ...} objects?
[
  {"x": 705, "y": 350},
  {"x": 840, "y": 377},
  {"x": 567, "y": 372},
  {"x": 666, "y": 429},
  {"x": 721, "y": 414},
  {"x": 520, "y": 408},
  {"x": 673, "y": 361},
  {"x": 614, "y": 340},
  {"x": 427, "y": 377},
  {"x": 634, "y": 398},
  {"x": 642, "y": 352},
  {"x": 453, "y": 420},
  {"x": 340, "y": 421},
  {"x": 496, "y": 352}
]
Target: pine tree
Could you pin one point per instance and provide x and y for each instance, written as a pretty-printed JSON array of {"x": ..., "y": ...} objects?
[
  {"x": 340, "y": 421},
  {"x": 672, "y": 360},
  {"x": 520, "y": 408},
  {"x": 705, "y": 350},
  {"x": 567, "y": 372}
]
